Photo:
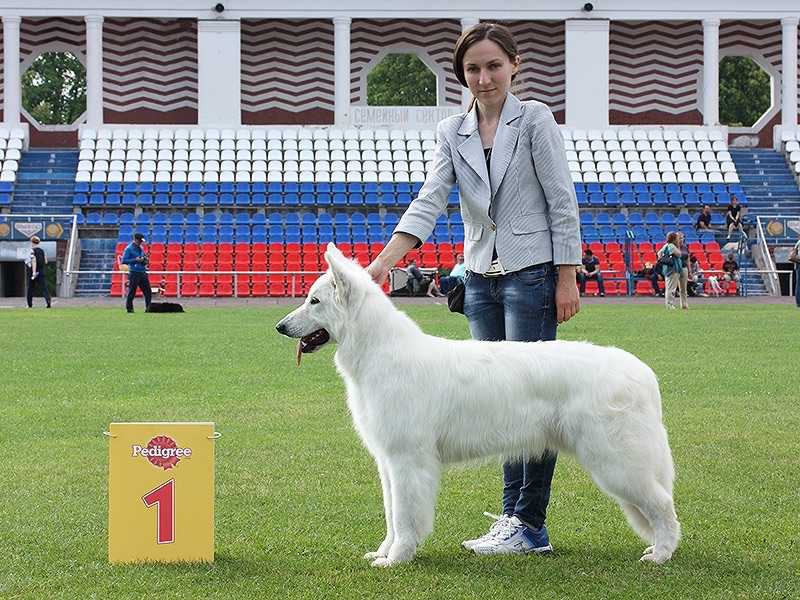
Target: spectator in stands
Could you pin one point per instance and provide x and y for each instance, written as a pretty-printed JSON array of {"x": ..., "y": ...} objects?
[
  {"x": 136, "y": 260},
  {"x": 696, "y": 281},
  {"x": 794, "y": 258},
  {"x": 520, "y": 255},
  {"x": 733, "y": 216},
  {"x": 649, "y": 272},
  {"x": 590, "y": 269},
  {"x": 683, "y": 280},
  {"x": 730, "y": 268},
  {"x": 35, "y": 271},
  {"x": 418, "y": 282},
  {"x": 455, "y": 277},
  {"x": 704, "y": 219},
  {"x": 669, "y": 257}
]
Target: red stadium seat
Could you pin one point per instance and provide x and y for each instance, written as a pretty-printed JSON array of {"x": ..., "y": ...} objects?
[{"x": 206, "y": 290}]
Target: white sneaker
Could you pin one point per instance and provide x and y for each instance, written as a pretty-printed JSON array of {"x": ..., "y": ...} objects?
[
  {"x": 515, "y": 537},
  {"x": 499, "y": 523}
]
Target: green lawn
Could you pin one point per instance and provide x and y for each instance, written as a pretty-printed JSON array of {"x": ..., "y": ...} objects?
[{"x": 298, "y": 499}]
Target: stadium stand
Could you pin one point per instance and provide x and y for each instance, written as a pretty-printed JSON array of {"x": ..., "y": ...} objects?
[
  {"x": 270, "y": 199},
  {"x": 790, "y": 144},
  {"x": 12, "y": 143}
]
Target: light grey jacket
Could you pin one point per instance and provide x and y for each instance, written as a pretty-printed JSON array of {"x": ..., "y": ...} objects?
[{"x": 534, "y": 212}]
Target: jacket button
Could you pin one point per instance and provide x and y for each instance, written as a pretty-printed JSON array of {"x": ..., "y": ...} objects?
[{"x": 493, "y": 227}]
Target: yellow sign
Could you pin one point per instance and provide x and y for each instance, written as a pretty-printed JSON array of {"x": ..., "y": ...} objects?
[{"x": 161, "y": 492}]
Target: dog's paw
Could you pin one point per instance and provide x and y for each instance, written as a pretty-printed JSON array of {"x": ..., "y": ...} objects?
[
  {"x": 658, "y": 558},
  {"x": 382, "y": 561},
  {"x": 374, "y": 555}
]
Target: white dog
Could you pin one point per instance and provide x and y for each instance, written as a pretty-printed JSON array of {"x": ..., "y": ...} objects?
[{"x": 419, "y": 402}]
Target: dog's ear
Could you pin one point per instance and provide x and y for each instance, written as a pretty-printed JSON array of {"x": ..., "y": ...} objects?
[{"x": 339, "y": 265}]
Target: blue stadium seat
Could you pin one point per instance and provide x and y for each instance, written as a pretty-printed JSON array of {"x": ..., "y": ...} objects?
[
  {"x": 94, "y": 218},
  {"x": 161, "y": 199},
  {"x": 178, "y": 187},
  {"x": 210, "y": 199},
  {"x": 341, "y": 220},
  {"x": 291, "y": 219},
  {"x": 587, "y": 218},
  {"x": 386, "y": 188},
  {"x": 259, "y": 231},
  {"x": 371, "y": 199},
  {"x": 192, "y": 218},
  {"x": 194, "y": 200},
  {"x": 146, "y": 188},
  {"x": 126, "y": 218},
  {"x": 355, "y": 187},
  {"x": 324, "y": 199},
  {"x": 275, "y": 199},
  {"x": 125, "y": 232},
  {"x": 145, "y": 200},
  {"x": 77, "y": 200},
  {"x": 659, "y": 199},
  {"x": 178, "y": 200},
  {"x": 583, "y": 199},
  {"x": 356, "y": 199},
  {"x": 691, "y": 199},
  {"x": 339, "y": 199},
  {"x": 110, "y": 219},
  {"x": 291, "y": 199},
  {"x": 675, "y": 199},
  {"x": 242, "y": 218},
  {"x": 291, "y": 187},
  {"x": 619, "y": 219},
  {"x": 275, "y": 187},
  {"x": 669, "y": 220},
  {"x": 97, "y": 188},
  {"x": 195, "y": 187},
  {"x": 162, "y": 188},
  {"x": 603, "y": 218},
  {"x": 210, "y": 218},
  {"x": 404, "y": 199},
  {"x": 242, "y": 199},
  {"x": 226, "y": 199},
  {"x": 226, "y": 187},
  {"x": 243, "y": 187},
  {"x": 635, "y": 218},
  {"x": 258, "y": 199},
  {"x": 211, "y": 188},
  {"x": 225, "y": 218},
  {"x": 651, "y": 218},
  {"x": 113, "y": 200},
  {"x": 258, "y": 187},
  {"x": 685, "y": 219},
  {"x": 628, "y": 199},
  {"x": 81, "y": 187},
  {"x": 596, "y": 199},
  {"x": 97, "y": 200},
  {"x": 307, "y": 199}
]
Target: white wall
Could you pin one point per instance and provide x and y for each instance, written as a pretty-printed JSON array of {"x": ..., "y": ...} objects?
[
  {"x": 587, "y": 73},
  {"x": 219, "y": 73}
]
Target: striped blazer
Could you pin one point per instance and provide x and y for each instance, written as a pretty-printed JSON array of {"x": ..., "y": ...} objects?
[{"x": 524, "y": 205}]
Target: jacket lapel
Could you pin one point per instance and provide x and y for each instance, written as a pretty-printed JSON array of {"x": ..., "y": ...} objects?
[
  {"x": 471, "y": 149},
  {"x": 505, "y": 140}
]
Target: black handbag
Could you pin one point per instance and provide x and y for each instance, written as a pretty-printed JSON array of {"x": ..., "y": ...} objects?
[{"x": 455, "y": 298}]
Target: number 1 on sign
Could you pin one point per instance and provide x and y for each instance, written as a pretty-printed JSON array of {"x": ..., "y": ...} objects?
[{"x": 164, "y": 497}]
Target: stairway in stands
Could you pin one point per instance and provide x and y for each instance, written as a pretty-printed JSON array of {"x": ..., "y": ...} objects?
[
  {"x": 771, "y": 190},
  {"x": 97, "y": 254},
  {"x": 45, "y": 182}
]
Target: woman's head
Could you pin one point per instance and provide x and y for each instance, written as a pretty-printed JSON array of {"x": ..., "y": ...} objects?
[
  {"x": 486, "y": 61},
  {"x": 672, "y": 237}
]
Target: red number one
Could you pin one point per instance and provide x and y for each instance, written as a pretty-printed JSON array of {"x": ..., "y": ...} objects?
[{"x": 164, "y": 497}]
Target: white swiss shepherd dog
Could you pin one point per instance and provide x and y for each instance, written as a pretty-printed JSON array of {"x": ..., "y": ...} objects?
[{"x": 419, "y": 402}]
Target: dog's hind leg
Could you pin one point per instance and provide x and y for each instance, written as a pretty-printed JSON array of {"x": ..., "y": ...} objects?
[
  {"x": 647, "y": 500},
  {"x": 383, "y": 550},
  {"x": 414, "y": 482}
]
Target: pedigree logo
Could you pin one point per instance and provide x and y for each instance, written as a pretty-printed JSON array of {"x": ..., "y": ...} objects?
[{"x": 161, "y": 451}]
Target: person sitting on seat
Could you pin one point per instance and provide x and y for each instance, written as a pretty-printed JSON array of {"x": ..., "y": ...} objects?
[
  {"x": 590, "y": 269},
  {"x": 418, "y": 282},
  {"x": 649, "y": 272},
  {"x": 456, "y": 276},
  {"x": 704, "y": 219}
]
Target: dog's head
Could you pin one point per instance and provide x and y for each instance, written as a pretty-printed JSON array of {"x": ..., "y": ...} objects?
[{"x": 323, "y": 315}]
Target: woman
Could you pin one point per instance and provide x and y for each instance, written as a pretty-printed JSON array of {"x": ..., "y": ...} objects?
[
  {"x": 733, "y": 216},
  {"x": 683, "y": 278},
  {"x": 670, "y": 258},
  {"x": 522, "y": 240}
]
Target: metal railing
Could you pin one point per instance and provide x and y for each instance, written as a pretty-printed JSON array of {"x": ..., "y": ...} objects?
[{"x": 769, "y": 274}]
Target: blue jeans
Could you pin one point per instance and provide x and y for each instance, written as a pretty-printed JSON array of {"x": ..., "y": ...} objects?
[
  {"x": 519, "y": 307},
  {"x": 797, "y": 285}
]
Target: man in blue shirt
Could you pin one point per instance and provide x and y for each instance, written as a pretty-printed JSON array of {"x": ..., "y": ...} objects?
[{"x": 136, "y": 260}]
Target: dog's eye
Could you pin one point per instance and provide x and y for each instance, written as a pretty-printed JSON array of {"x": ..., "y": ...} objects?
[{"x": 314, "y": 300}]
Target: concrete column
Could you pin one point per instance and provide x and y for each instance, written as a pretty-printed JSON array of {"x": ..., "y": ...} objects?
[
  {"x": 341, "y": 69},
  {"x": 587, "y": 72},
  {"x": 789, "y": 72},
  {"x": 710, "y": 71},
  {"x": 466, "y": 95},
  {"x": 94, "y": 70},
  {"x": 12, "y": 90},
  {"x": 219, "y": 72}
]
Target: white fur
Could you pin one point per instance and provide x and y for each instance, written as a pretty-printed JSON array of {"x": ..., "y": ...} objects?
[{"x": 419, "y": 402}]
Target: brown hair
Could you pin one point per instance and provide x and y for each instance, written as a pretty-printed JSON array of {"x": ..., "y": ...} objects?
[
  {"x": 672, "y": 237},
  {"x": 499, "y": 34}
]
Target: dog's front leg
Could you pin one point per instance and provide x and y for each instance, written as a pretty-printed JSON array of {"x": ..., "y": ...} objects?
[
  {"x": 383, "y": 550},
  {"x": 414, "y": 482}
]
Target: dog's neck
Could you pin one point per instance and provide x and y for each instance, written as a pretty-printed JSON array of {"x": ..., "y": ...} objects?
[{"x": 377, "y": 328}]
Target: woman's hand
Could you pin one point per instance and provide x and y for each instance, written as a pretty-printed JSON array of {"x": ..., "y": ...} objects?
[
  {"x": 568, "y": 303},
  {"x": 378, "y": 270}
]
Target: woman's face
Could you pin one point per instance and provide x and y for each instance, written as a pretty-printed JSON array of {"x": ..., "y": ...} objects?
[{"x": 488, "y": 72}]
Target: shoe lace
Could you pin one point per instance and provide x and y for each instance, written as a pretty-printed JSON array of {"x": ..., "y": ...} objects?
[
  {"x": 506, "y": 529},
  {"x": 499, "y": 522}
]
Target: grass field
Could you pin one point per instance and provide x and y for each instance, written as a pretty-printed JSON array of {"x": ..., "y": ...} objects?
[{"x": 298, "y": 499}]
